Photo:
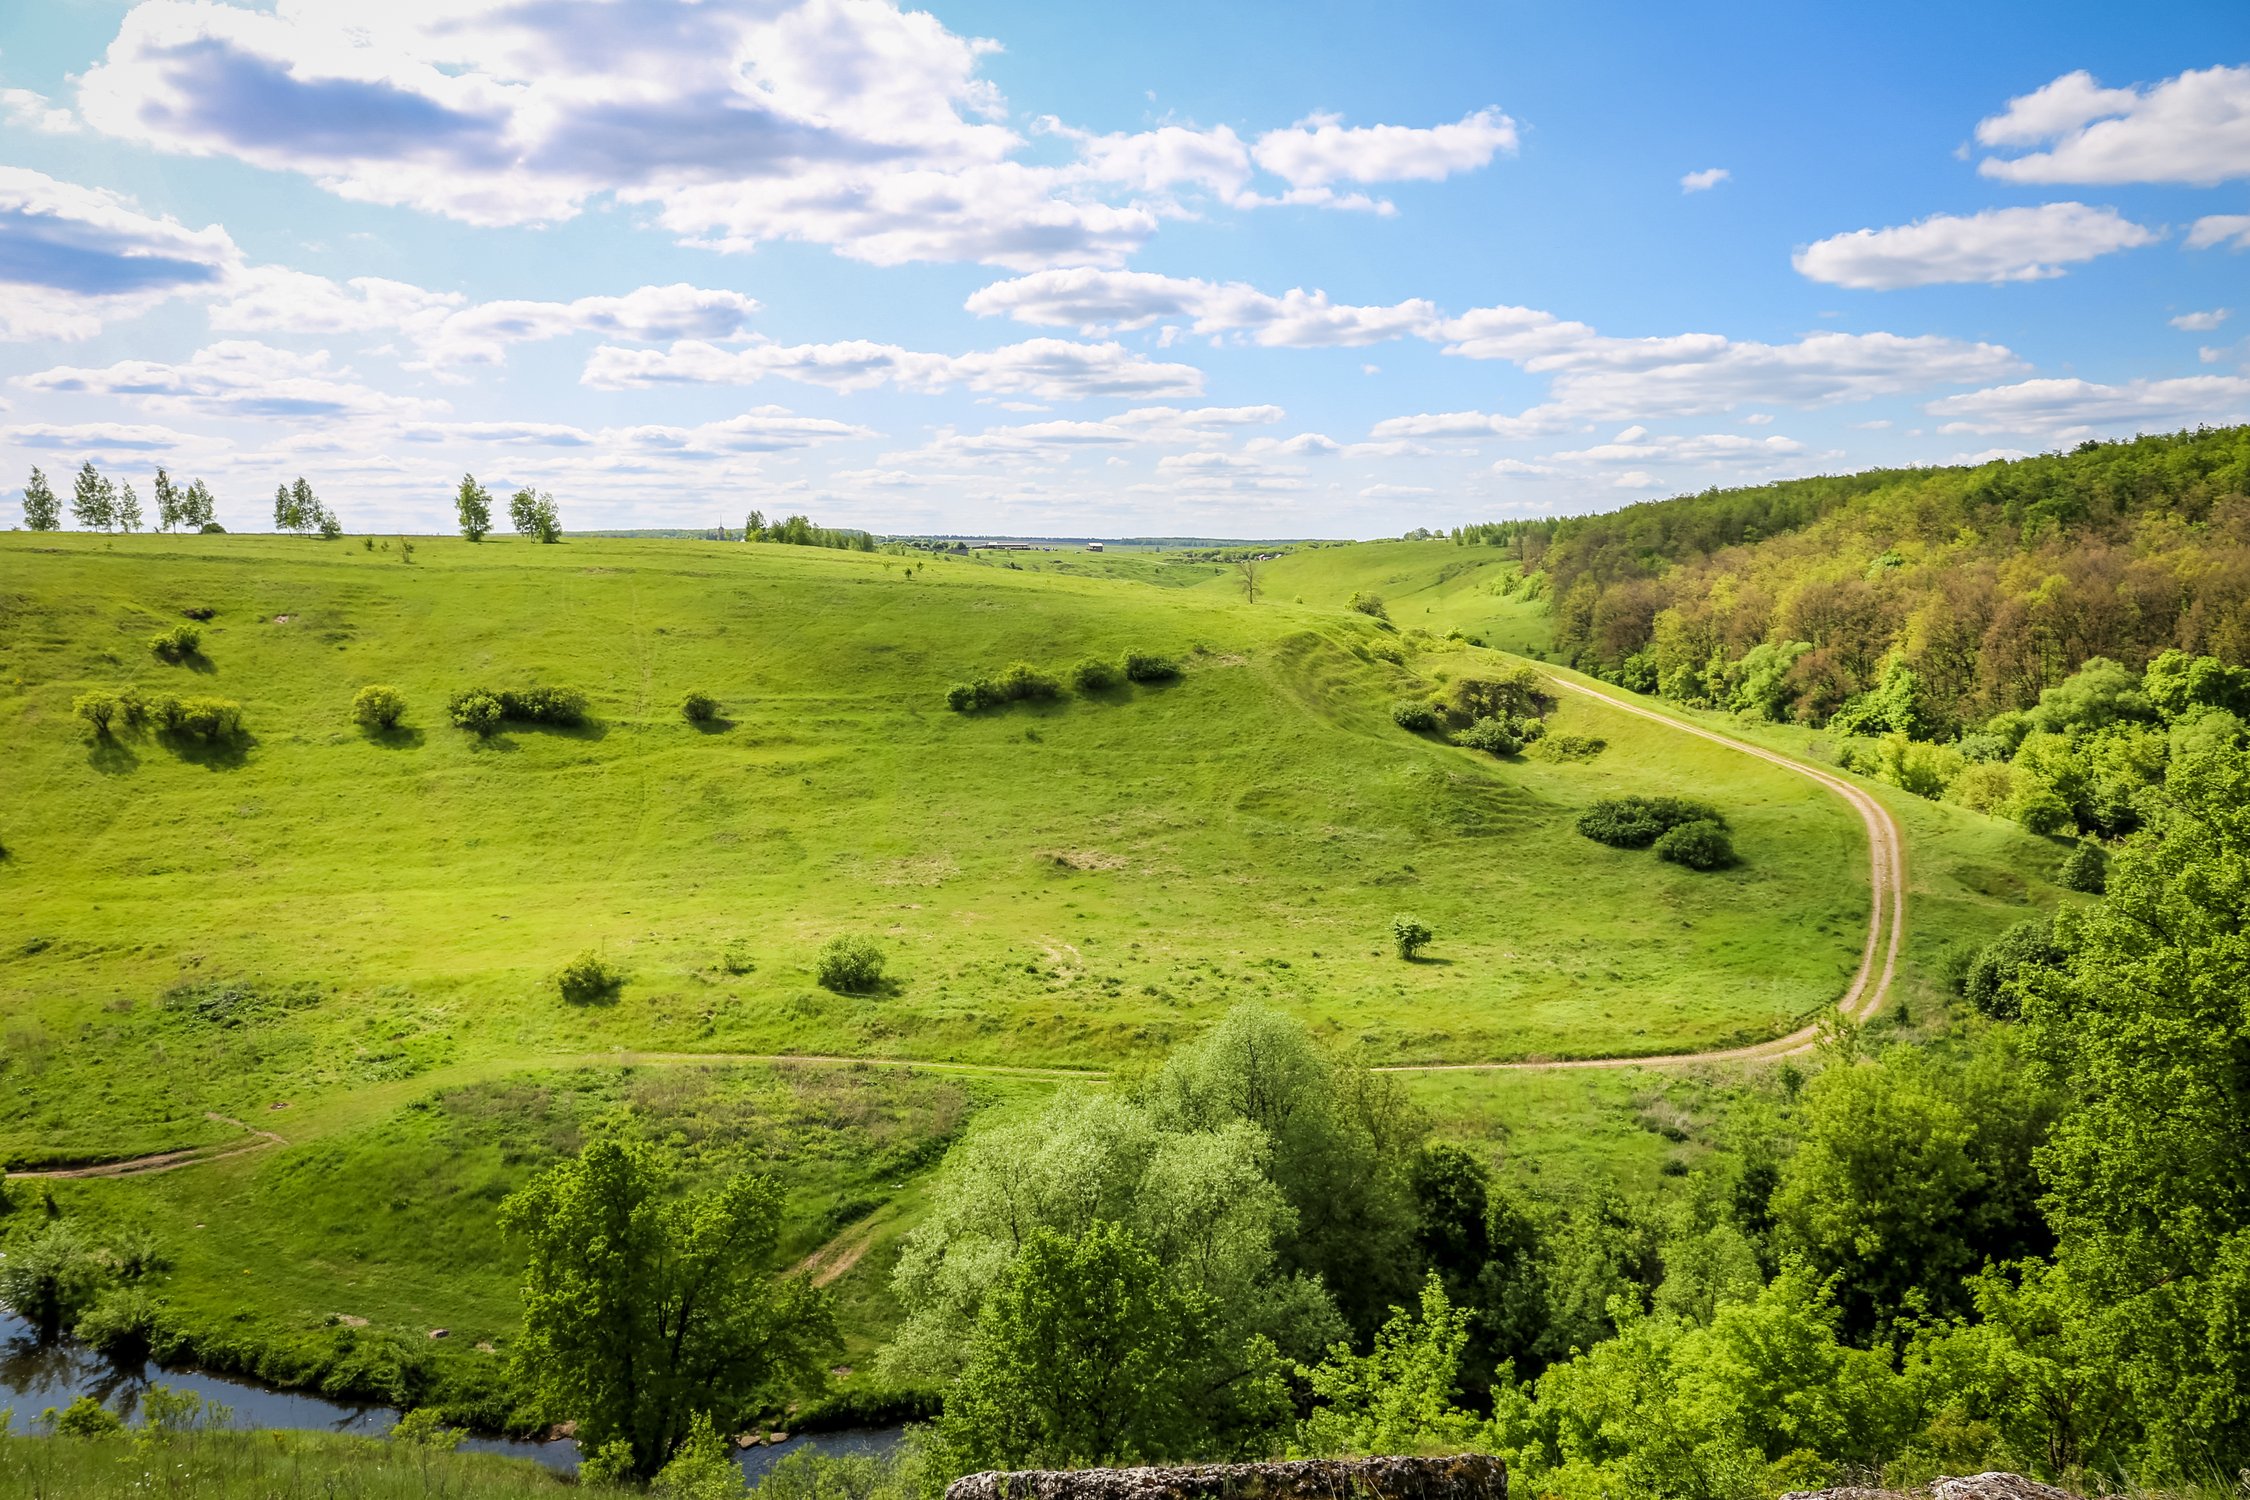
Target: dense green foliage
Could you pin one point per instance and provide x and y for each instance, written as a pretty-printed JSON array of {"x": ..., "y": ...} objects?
[
  {"x": 646, "y": 1307},
  {"x": 850, "y": 965},
  {"x": 1989, "y": 584},
  {"x": 1635, "y": 822}
]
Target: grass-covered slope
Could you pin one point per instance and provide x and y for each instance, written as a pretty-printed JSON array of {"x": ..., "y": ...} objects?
[
  {"x": 324, "y": 908},
  {"x": 349, "y": 938}
]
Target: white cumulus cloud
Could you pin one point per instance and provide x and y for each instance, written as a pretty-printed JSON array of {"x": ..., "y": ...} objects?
[
  {"x": 2194, "y": 128},
  {"x": 73, "y": 258},
  {"x": 2070, "y": 409},
  {"x": 2231, "y": 230},
  {"x": 1705, "y": 180},
  {"x": 2201, "y": 322},
  {"x": 1996, "y": 245},
  {"x": 1054, "y": 369}
]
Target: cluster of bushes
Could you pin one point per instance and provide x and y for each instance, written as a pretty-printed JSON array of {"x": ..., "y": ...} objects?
[
  {"x": 1499, "y": 715},
  {"x": 1022, "y": 681},
  {"x": 1681, "y": 830},
  {"x": 126, "y": 711},
  {"x": 178, "y": 644},
  {"x": 482, "y": 711}
]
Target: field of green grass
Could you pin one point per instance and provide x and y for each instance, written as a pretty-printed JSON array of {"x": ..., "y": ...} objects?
[{"x": 349, "y": 939}]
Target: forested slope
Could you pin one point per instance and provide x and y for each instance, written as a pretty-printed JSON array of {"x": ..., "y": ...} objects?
[{"x": 1989, "y": 583}]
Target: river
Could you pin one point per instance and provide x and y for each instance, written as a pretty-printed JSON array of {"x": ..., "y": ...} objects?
[{"x": 35, "y": 1376}]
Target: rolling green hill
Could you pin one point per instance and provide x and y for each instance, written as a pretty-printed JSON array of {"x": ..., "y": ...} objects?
[{"x": 349, "y": 938}]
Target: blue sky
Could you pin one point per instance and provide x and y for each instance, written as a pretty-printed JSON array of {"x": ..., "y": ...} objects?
[{"x": 1245, "y": 270}]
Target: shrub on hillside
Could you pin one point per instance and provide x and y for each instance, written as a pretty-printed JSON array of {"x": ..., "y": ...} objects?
[
  {"x": 1143, "y": 666},
  {"x": 2086, "y": 869},
  {"x": 204, "y": 718},
  {"x": 545, "y": 705},
  {"x": 1414, "y": 716},
  {"x": 1637, "y": 822},
  {"x": 1019, "y": 682},
  {"x": 1409, "y": 934},
  {"x": 1495, "y": 734},
  {"x": 119, "y": 1322},
  {"x": 589, "y": 978},
  {"x": 850, "y": 965},
  {"x": 378, "y": 706},
  {"x": 1572, "y": 747},
  {"x": 1370, "y": 605},
  {"x": 482, "y": 710},
  {"x": 180, "y": 643},
  {"x": 2001, "y": 967},
  {"x": 86, "y": 1418},
  {"x": 1093, "y": 675},
  {"x": 476, "y": 711},
  {"x": 97, "y": 709},
  {"x": 1700, "y": 845},
  {"x": 1512, "y": 695},
  {"x": 699, "y": 708}
]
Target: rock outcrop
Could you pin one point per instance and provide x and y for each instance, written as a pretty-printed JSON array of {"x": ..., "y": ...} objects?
[
  {"x": 1991, "y": 1486},
  {"x": 1468, "y": 1476}
]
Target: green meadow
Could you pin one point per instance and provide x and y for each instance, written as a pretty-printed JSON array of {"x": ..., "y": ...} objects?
[{"x": 349, "y": 938}]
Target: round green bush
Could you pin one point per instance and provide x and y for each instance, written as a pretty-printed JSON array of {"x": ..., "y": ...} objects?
[
  {"x": 378, "y": 706},
  {"x": 1093, "y": 675},
  {"x": 1414, "y": 716},
  {"x": 477, "y": 712},
  {"x": 961, "y": 697},
  {"x": 180, "y": 643},
  {"x": 2086, "y": 869},
  {"x": 699, "y": 708},
  {"x": 588, "y": 978},
  {"x": 850, "y": 965},
  {"x": 1409, "y": 934},
  {"x": 1143, "y": 666},
  {"x": 1494, "y": 734},
  {"x": 1700, "y": 845}
]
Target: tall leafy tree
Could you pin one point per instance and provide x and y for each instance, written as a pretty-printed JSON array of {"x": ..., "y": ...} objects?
[
  {"x": 93, "y": 501},
  {"x": 532, "y": 513},
  {"x": 647, "y": 1305},
  {"x": 128, "y": 508},
  {"x": 1087, "y": 1354},
  {"x": 286, "y": 514},
  {"x": 2149, "y": 1174},
  {"x": 199, "y": 510},
  {"x": 473, "y": 503},
  {"x": 171, "y": 506},
  {"x": 41, "y": 511}
]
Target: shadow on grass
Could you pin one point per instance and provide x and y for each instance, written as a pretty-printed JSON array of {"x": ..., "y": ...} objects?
[
  {"x": 592, "y": 729},
  {"x": 1423, "y": 960},
  {"x": 716, "y": 725},
  {"x": 227, "y": 754},
  {"x": 111, "y": 757},
  {"x": 397, "y": 737}
]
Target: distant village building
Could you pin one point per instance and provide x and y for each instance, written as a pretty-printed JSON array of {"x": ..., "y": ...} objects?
[{"x": 1093, "y": 546}]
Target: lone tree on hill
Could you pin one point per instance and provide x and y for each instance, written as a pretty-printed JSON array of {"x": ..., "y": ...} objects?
[
  {"x": 93, "y": 500},
  {"x": 41, "y": 511},
  {"x": 645, "y": 1307},
  {"x": 533, "y": 514},
  {"x": 1246, "y": 570},
  {"x": 128, "y": 508},
  {"x": 474, "y": 504}
]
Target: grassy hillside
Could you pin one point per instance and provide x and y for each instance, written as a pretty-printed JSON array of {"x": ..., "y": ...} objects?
[{"x": 349, "y": 938}]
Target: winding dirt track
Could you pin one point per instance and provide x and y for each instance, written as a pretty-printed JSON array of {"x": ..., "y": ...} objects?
[
  {"x": 1878, "y": 960},
  {"x": 1862, "y": 997}
]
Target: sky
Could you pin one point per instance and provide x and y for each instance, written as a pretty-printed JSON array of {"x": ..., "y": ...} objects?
[{"x": 1093, "y": 269}]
